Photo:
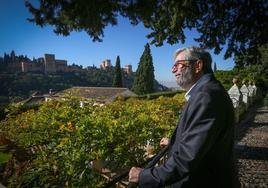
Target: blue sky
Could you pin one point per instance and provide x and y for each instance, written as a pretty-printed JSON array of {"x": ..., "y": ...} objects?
[{"x": 125, "y": 40}]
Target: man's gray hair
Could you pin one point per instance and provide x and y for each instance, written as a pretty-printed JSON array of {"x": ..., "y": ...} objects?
[{"x": 196, "y": 53}]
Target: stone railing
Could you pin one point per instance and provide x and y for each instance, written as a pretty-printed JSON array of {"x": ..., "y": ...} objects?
[{"x": 242, "y": 98}]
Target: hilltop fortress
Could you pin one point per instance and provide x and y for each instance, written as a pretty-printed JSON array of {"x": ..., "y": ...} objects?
[
  {"x": 107, "y": 64},
  {"x": 47, "y": 64}
]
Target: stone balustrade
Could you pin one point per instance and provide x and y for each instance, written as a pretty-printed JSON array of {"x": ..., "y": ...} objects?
[{"x": 243, "y": 97}]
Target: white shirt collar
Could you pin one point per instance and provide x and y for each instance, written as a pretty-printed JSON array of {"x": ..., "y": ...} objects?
[{"x": 188, "y": 93}]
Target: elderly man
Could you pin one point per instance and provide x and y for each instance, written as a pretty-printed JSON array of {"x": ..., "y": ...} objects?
[{"x": 201, "y": 147}]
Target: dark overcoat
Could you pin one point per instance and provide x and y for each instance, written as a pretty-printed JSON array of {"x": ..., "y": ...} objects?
[{"x": 201, "y": 147}]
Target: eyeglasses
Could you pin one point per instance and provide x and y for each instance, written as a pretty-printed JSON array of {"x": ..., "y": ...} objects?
[{"x": 179, "y": 64}]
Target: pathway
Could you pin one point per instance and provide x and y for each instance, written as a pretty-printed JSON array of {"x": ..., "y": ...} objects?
[{"x": 252, "y": 148}]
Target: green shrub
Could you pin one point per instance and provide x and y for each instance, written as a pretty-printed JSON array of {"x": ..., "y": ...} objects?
[
  {"x": 265, "y": 100},
  {"x": 70, "y": 138}
]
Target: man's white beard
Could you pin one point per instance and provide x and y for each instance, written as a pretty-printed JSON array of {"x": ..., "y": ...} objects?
[{"x": 187, "y": 78}]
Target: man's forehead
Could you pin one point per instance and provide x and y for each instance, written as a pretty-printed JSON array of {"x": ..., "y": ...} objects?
[{"x": 180, "y": 56}]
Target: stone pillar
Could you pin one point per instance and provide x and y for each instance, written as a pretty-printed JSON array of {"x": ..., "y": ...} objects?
[
  {"x": 245, "y": 93},
  {"x": 236, "y": 97},
  {"x": 251, "y": 91},
  {"x": 254, "y": 88}
]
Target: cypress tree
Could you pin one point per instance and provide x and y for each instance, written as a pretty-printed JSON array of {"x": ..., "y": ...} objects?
[
  {"x": 144, "y": 78},
  {"x": 215, "y": 67},
  {"x": 117, "y": 81}
]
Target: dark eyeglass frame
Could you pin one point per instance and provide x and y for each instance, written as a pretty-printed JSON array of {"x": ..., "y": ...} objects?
[{"x": 183, "y": 65}]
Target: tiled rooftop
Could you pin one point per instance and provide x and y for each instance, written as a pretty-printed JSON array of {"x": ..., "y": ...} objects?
[{"x": 108, "y": 93}]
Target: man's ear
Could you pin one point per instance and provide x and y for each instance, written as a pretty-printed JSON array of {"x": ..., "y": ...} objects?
[{"x": 198, "y": 66}]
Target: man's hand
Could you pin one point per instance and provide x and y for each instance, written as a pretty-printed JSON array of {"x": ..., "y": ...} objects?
[
  {"x": 164, "y": 142},
  {"x": 133, "y": 175}
]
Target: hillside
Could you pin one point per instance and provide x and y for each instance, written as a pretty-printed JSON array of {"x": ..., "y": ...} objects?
[{"x": 17, "y": 86}]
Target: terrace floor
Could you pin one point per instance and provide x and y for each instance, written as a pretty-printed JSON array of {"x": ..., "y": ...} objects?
[{"x": 252, "y": 148}]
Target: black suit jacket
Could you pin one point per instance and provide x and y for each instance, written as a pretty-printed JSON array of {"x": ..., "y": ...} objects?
[{"x": 201, "y": 147}]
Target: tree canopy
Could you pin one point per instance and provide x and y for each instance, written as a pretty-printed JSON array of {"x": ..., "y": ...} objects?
[
  {"x": 249, "y": 57},
  {"x": 239, "y": 24}
]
